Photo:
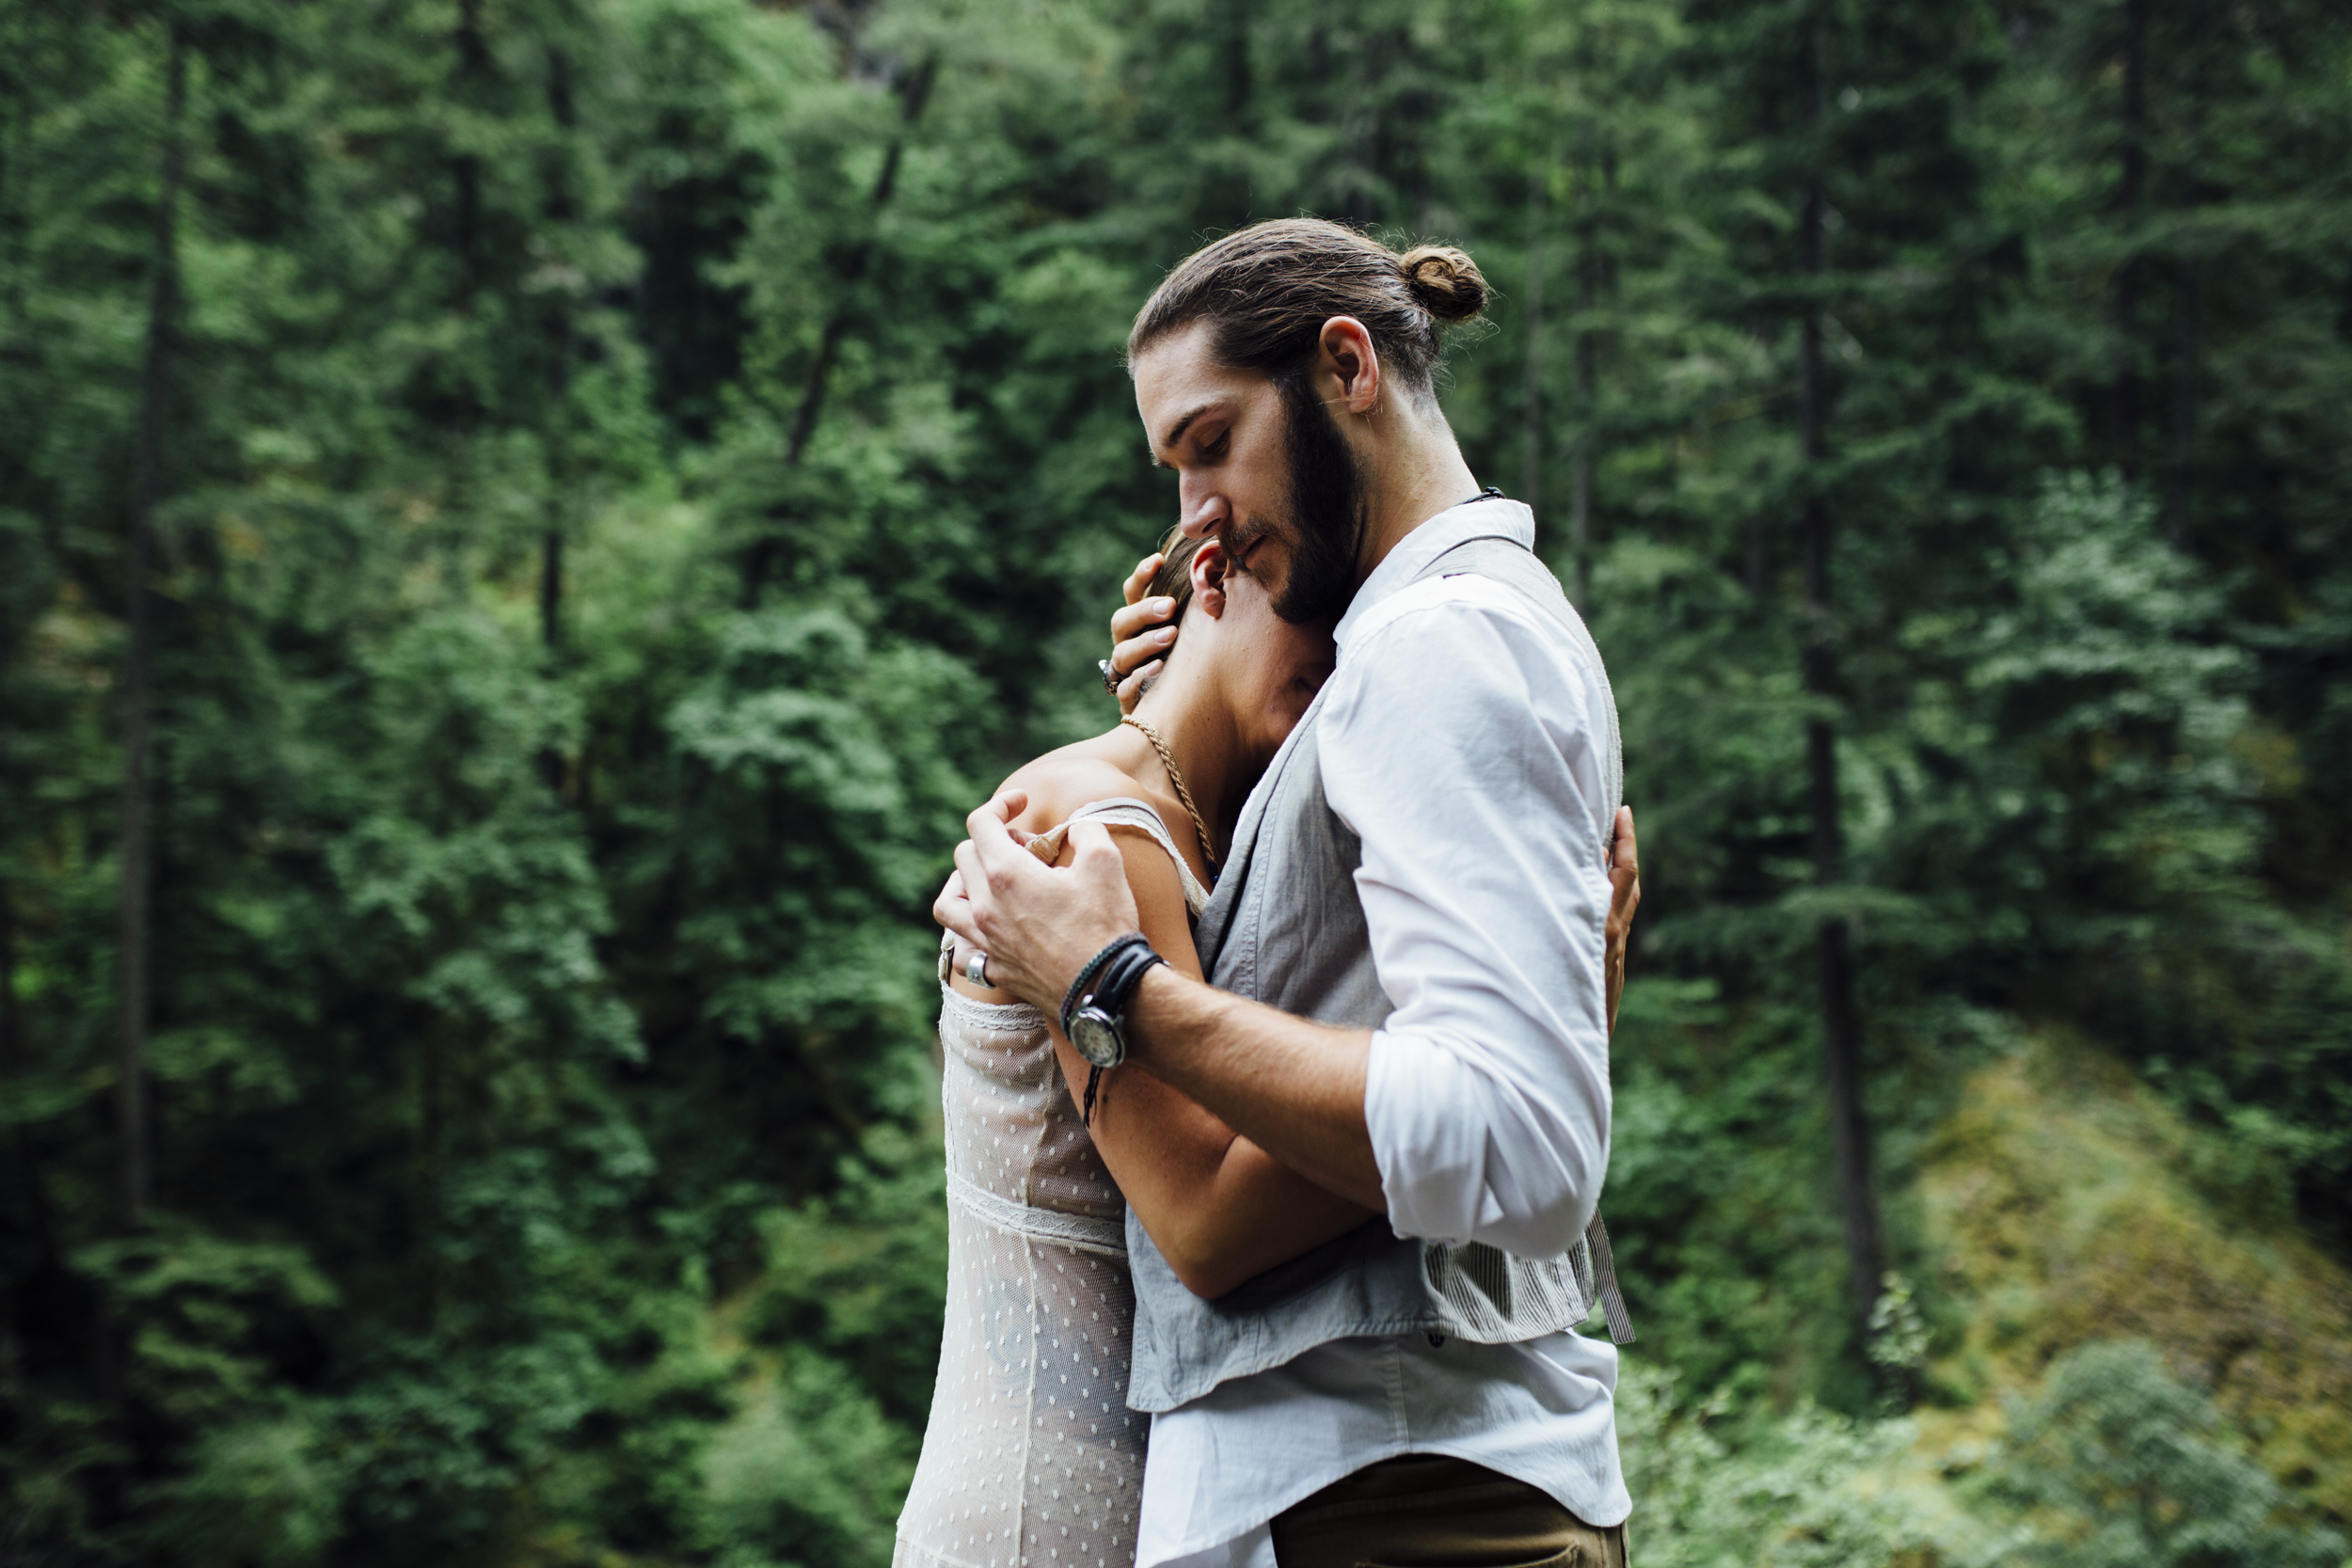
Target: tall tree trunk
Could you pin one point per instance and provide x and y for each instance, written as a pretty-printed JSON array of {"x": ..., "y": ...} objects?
[
  {"x": 16, "y": 1165},
  {"x": 1240, "y": 80},
  {"x": 2184, "y": 351},
  {"x": 2129, "y": 194},
  {"x": 1532, "y": 395},
  {"x": 1759, "y": 549},
  {"x": 16, "y": 228},
  {"x": 1840, "y": 1041},
  {"x": 467, "y": 403},
  {"x": 551, "y": 580},
  {"x": 469, "y": 89},
  {"x": 562, "y": 212},
  {"x": 914, "y": 90},
  {"x": 913, "y": 94},
  {"x": 473, "y": 66},
  {"x": 552, "y": 768},
  {"x": 1587, "y": 290},
  {"x": 17, "y": 1204},
  {"x": 425, "y": 1204},
  {"x": 11, "y": 1017},
  {"x": 132, "y": 1175}
]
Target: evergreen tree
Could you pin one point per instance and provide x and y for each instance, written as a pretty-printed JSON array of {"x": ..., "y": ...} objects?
[{"x": 619, "y": 478}]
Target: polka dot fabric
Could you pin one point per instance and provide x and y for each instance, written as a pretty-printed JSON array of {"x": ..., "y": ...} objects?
[{"x": 1032, "y": 1456}]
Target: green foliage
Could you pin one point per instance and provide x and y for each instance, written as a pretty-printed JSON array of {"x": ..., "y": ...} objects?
[
  {"x": 196, "y": 1307},
  {"x": 856, "y": 1274},
  {"x": 258, "y": 1492},
  {"x": 811, "y": 1471},
  {"x": 1797, "y": 1490},
  {"x": 2138, "y": 1468},
  {"x": 634, "y": 471},
  {"x": 2113, "y": 1461},
  {"x": 1898, "y": 1337}
]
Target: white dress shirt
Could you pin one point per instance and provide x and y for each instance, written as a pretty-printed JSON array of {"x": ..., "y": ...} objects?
[{"x": 1458, "y": 739}]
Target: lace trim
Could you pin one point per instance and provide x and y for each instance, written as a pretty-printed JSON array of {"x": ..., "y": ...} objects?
[
  {"x": 1080, "y": 1232},
  {"x": 1007, "y": 1018},
  {"x": 906, "y": 1554}
]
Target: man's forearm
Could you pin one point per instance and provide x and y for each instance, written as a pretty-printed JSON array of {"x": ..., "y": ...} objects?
[{"x": 1292, "y": 1087}]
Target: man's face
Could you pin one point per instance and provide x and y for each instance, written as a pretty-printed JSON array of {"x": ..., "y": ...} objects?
[{"x": 1261, "y": 466}]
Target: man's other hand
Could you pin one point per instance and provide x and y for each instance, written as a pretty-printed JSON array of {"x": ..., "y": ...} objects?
[
  {"x": 1625, "y": 897},
  {"x": 1037, "y": 924},
  {"x": 1140, "y": 635}
]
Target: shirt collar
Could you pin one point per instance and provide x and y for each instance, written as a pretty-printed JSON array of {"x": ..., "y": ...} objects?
[{"x": 1472, "y": 520}]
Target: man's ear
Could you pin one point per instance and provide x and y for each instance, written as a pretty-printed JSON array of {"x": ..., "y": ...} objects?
[
  {"x": 1209, "y": 567},
  {"x": 1347, "y": 366}
]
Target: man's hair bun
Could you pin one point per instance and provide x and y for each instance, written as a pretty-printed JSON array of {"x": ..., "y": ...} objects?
[
  {"x": 1267, "y": 290},
  {"x": 1446, "y": 281}
]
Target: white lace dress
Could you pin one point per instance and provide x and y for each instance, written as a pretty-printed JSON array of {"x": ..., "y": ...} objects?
[{"x": 1032, "y": 1456}]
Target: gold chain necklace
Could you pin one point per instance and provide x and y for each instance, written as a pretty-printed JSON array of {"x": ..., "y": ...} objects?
[{"x": 1176, "y": 777}]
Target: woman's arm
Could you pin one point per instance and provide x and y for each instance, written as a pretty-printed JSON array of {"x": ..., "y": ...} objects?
[{"x": 1220, "y": 1208}]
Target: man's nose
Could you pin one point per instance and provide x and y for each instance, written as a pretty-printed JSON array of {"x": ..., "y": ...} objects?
[{"x": 1202, "y": 512}]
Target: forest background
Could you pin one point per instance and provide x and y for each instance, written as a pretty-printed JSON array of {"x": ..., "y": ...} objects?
[{"x": 524, "y": 524}]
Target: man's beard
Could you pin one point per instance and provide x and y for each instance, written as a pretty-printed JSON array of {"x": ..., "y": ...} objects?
[{"x": 1325, "y": 528}]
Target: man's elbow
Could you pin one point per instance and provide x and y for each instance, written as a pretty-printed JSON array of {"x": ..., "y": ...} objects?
[
  {"x": 1558, "y": 1229},
  {"x": 1206, "y": 1268},
  {"x": 1539, "y": 1219}
]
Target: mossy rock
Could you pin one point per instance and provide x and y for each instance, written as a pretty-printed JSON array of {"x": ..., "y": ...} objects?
[{"x": 2060, "y": 1198}]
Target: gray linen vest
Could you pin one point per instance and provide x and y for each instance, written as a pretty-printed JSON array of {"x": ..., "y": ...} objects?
[{"x": 1285, "y": 927}]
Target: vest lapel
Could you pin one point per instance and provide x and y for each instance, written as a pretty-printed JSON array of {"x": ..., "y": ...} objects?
[{"x": 1232, "y": 880}]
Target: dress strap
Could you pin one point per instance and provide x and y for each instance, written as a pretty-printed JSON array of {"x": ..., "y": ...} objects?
[{"x": 1121, "y": 811}]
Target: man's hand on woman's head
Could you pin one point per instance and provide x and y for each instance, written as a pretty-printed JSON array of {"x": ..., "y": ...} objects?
[
  {"x": 1140, "y": 635},
  {"x": 1037, "y": 924}
]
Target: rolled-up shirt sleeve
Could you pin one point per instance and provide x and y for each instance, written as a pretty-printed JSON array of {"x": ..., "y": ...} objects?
[{"x": 1459, "y": 742}]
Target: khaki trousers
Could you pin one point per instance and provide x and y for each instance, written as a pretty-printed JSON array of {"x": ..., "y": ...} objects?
[{"x": 1428, "y": 1511}]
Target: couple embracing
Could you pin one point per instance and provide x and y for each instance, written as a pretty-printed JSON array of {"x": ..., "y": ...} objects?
[{"x": 1276, "y": 1018}]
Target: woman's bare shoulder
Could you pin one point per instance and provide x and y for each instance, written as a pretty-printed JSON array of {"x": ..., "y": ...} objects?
[{"x": 1062, "y": 781}]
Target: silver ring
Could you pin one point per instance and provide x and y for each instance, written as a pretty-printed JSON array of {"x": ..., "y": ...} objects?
[
  {"x": 975, "y": 970},
  {"x": 1110, "y": 677}
]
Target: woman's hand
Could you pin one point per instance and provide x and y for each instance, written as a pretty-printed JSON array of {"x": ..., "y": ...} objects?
[
  {"x": 1625, "y": 897},
  {"x": 1140, "y": 635}
]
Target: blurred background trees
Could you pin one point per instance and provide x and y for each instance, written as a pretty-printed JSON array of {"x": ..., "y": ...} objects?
[{"x": 605, "y": 483}]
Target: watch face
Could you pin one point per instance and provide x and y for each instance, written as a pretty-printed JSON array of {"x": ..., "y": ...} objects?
[{"x": 1095, "y": 1034}]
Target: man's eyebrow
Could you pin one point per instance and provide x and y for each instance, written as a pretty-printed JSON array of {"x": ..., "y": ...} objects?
[{"x": 1177, "y": 433}]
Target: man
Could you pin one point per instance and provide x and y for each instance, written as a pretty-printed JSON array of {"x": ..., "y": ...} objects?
[{"x": 1407, "y": 1002}]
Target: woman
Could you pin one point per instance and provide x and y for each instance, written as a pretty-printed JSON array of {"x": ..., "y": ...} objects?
[{"x": 1031, "y": 1455}]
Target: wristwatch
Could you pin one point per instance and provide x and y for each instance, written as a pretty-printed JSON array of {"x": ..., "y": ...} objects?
[{"x": 1094, "y": 1019}]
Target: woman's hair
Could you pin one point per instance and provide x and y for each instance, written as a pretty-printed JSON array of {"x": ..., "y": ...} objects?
[{"x": 1268, "y": 288}]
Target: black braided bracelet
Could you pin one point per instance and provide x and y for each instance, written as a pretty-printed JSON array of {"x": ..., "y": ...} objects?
[
  {"x": 1078, "y": 986},
  {"x": 1119, "y": 978}
]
